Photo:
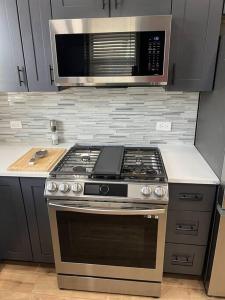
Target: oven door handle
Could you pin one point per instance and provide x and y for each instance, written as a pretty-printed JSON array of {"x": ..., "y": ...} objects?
[{"x": 103, "y": 211}]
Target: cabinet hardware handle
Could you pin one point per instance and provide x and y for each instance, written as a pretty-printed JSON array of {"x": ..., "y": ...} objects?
[
  {"x": 24, "y": 74},
  {"x": 191, "y": 197},
  {"x": 51, "y": 75},
  {"x": 116, "y": 4},
  {"x": 103, "y": 4},
  {"x": 182, "y": 260},
  {"x": 186, "y": 227},
  {"x": 19, "y": 77}
]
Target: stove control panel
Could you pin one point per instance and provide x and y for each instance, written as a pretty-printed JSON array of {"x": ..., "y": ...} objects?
[{"x": 103, "y": 190}]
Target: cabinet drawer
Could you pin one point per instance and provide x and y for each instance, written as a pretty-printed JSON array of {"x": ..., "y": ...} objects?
[
  {"x": 192, "y": 197},
  {"x": 188, "y": 227},
  {"x": 184, "y": 259}
]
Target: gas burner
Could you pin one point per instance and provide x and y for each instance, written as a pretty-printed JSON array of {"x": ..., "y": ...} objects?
[
  {"x": 139, "y": 161},
  {"x": 85, "y": 157},
  {"x": 79, "y": 169}
]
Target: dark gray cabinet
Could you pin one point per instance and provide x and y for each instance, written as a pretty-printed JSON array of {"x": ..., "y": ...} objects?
[
  {"x": 34, "y": 16},
  {"x": 123, "y": 8},
  {"x": 25, "y": 53},
  {"x": 12, "y": 65},
  {"x": 70, "y": 9},
  {"x": 14, "y": 235},
  {"x": 188, "y": 225},
  {"x": 37, "y": 217},
  {"x": 194, "y": 44},
  {"x": 210, "y": 138}
]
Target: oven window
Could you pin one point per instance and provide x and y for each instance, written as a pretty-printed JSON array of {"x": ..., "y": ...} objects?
[
  {"x": 110, "y": 54},
  {"x": 129, "y": 241}
]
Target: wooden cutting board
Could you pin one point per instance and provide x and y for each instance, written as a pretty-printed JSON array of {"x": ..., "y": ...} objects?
[{"x": 44, "y": 164}]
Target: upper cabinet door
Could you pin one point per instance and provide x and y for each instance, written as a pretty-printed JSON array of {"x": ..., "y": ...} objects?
[
  {"x": 194, "y": 44},
  {"x": 34, "y": 16},
  {"x": 124, "y": 8},
  {"x": 12, "y": 67},
  {"x": 72, "y": 9}
]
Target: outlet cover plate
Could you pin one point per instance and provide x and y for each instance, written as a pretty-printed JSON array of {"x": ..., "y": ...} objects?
[
  {"x": 163, "y": 126},
  {"x": 16, "y": 124}
]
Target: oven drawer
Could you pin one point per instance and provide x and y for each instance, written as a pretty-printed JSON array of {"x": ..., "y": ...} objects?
[
  {"x": 184, "y": 259},
  {"x": 188, "y": 227},
  {"x": 193, "y": 197}
]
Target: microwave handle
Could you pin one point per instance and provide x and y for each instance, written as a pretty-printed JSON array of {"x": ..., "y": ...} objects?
[{"x": 103, "y": 211}]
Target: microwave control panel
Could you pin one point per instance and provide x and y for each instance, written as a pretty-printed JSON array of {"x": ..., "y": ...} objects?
[{"x": 151, "y": 56}]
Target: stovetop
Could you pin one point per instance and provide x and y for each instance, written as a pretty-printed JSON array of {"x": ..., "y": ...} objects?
[{"x": 112, "y": 163}]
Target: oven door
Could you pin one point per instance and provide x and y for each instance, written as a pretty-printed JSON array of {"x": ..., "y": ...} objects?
[{"x": 113, "y": 240}]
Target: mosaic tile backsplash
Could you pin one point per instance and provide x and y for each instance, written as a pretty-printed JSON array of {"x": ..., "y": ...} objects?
[{"x": 100, "y": 116}]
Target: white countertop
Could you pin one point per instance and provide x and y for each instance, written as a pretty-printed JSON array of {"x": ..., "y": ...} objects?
[{"x": 184, "y": 164}]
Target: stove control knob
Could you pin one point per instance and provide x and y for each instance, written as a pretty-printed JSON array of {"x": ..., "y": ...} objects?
[
  {"x": 64, "y": 187},
  {"x": 52, "y": 187},
  {"x": 146, "y": 191},
  {"x": 77, "y": 188},
  {"x": 160, "y": 191}
]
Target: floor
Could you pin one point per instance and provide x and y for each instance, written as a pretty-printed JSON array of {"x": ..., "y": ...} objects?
[{"x": 38, "y": 282}]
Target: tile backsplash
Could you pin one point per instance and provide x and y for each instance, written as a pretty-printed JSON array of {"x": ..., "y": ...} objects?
[{"x": 100, "y": 116}]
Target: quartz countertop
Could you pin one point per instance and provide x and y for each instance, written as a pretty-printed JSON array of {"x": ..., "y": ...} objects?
[{"x": 183, "y": 163}]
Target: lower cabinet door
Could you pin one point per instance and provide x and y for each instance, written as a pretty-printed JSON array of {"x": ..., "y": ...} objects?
[
  {"x": 14, "y": 235},
  {"x": 184, "y": 259},
  {"x": 38, "y": 221}
]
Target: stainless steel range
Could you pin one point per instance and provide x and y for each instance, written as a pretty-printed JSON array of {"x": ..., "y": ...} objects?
[{"x": 108, "y": 208}]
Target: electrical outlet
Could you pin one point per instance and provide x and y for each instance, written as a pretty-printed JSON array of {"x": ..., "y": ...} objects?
[
  {"x": 163, "y": 126},
  {"x": 16, "y": 124}
]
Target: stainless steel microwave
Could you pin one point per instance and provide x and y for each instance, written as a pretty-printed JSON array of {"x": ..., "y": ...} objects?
[{"x": 111, "y": 51}]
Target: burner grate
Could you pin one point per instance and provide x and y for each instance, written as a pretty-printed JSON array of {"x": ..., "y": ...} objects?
[
  {"x": 79, "y": 161},
  {"x": 143, "y": 163}
]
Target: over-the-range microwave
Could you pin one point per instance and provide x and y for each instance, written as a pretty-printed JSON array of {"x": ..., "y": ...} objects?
[{"x": 111, "y": 51}]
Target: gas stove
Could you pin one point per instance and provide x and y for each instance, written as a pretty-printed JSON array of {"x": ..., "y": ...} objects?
[
  {"x": 109, "y": 171},
  {"x": 107, "y": 210}
]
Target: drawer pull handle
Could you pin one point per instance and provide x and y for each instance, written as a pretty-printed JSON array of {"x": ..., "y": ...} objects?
[
  {"x": 51, "y": 75},
  {"x": 24, "y": 74},
  {"x": 187, "y": 228},
  {"x": 191, "y": 197},
  {"x": 182, "y": 260}
]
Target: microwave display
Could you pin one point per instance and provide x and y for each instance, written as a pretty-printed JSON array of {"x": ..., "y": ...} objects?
[{"x": 110, "y": 54}]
